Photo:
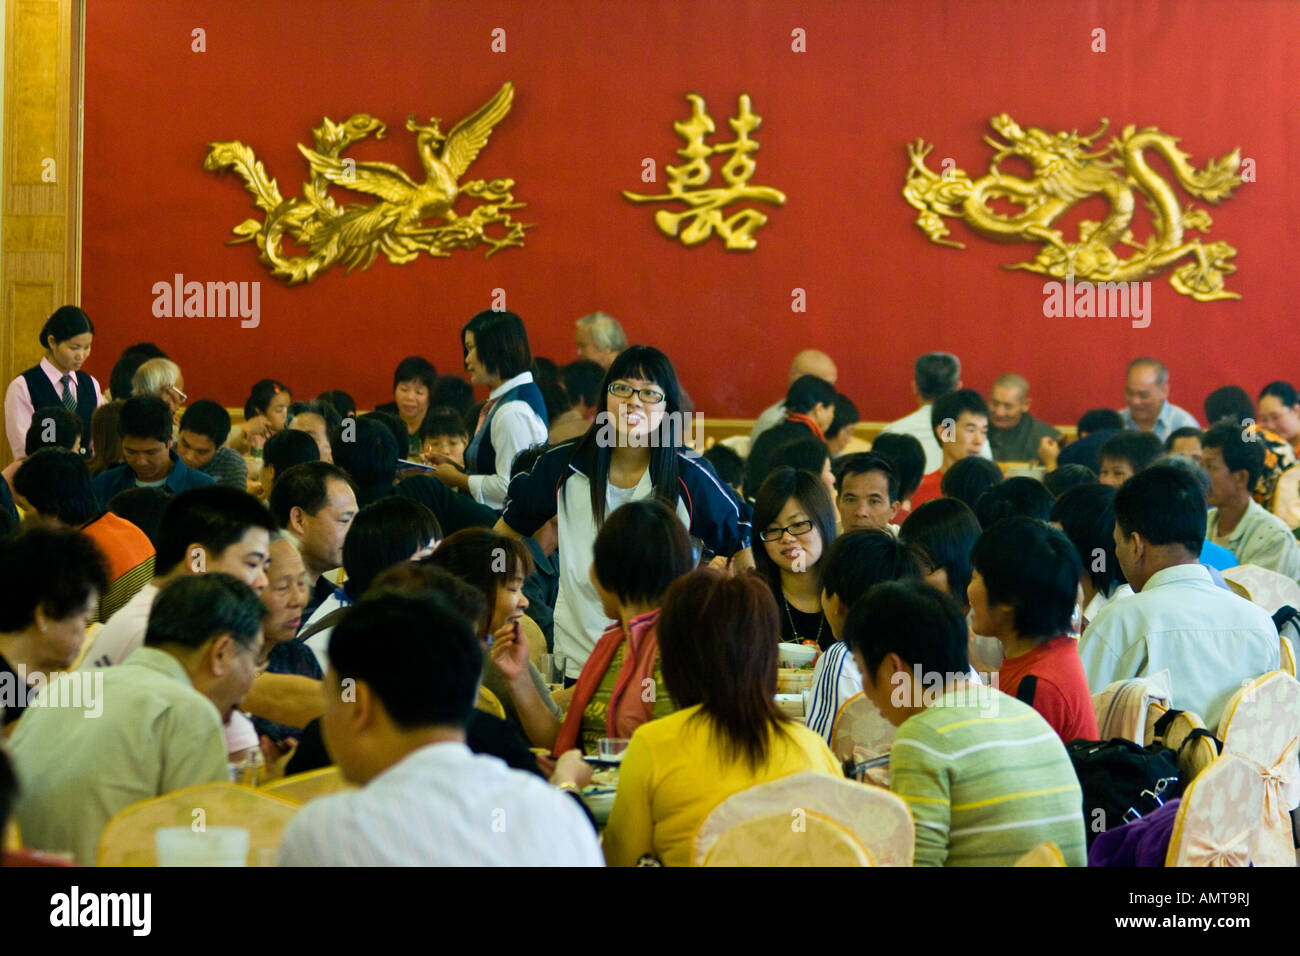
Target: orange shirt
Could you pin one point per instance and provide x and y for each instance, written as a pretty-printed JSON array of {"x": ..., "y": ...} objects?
[{"x": 130, "y": 558}]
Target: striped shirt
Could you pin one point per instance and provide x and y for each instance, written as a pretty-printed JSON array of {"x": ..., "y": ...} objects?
[
  {"x": 835, "y": 679},
  {"x": 987, "y": 780}
]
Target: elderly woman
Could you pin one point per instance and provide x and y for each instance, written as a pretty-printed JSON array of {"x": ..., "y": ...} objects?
[{"x": 639, "y": 552}]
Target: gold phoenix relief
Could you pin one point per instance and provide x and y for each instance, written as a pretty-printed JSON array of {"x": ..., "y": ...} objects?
[
  {"x": 686, "y": 182},
  {"x": 1066, "y": 173},
  {"x": 398, "y": 224}
]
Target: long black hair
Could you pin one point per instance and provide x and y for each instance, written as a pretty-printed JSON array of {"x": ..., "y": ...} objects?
[{"x": 592, "y": 454}]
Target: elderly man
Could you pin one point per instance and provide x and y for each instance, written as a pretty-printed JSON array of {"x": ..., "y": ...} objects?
[
  {"x": 1014, "y": 434},
  {"x": 935, "y": 374},
  {"x": 807, "y": 362},
  {"x": 600, "y": 338},
  {"x": 1147, "y": 395}
]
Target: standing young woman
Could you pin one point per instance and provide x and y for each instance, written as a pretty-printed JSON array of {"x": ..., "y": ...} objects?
[
  {"x": 57, "y": 379},
  {"x": 631, "y": 451},
  {"x": 497, "y": 356},
  {"x": 795, "y": 519}
]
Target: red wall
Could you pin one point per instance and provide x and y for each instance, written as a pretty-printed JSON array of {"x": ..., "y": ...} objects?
[{"x": 598, "y": 85}]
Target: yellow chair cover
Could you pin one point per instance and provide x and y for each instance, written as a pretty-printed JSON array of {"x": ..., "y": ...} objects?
[
  {"x": 861, "y": 731},
  {"x": 1199, "y": 754},
  {"x": 775, "y": 841},
  {"x": 128, "y": 839},
  {"x": 1219, "y": 816},
  {"x": 1261, "y": 724},
  {"x": 1045, "y": 854},
  {"x": 1268, "y": 589},
  {"x": 304, "y": 787},
  {"x": 1286, "y": 498},
  {"x": 877, "y": 820},
  {"x": 91, "y": 631},
  {"x": 1287, "y": 655},
  {"x": 1125, "y": 708},
  {"x": 536, "y": 642},
  {"x": 489, "y": 704}
]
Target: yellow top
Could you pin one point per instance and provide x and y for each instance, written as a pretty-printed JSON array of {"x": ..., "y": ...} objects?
[{"x": 674, "y": 774}]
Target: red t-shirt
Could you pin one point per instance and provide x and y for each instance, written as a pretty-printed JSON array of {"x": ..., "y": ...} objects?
[
  {"x": 928, "y": 490},
  {"x": 1061, "y": 694}
]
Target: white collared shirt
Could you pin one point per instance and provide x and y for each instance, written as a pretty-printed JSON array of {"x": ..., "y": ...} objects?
[
  {"x": 1209, "y": 639},
  {"x": 443, "y": 805},
  {"x": 515, "y": 427}
]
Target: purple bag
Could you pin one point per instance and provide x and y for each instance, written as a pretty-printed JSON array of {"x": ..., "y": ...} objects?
[{"x": 1143, "y": 842}]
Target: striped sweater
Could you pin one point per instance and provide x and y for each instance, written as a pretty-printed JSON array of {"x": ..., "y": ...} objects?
[{"x": 987, "y": 780}]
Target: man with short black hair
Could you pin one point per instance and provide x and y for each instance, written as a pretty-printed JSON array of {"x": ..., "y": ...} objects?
[
  {"x": 1148, "y": 408},
  {"x": 1126, "y": 453},
  {"x": 959, "y": 423},
  {"x": 203, "y": 531},
  {"x": 1236, "y": 521},
  {"x": 1014, "y": 434},
  {"x": 369, "y": 456},
  {"x": 318, "y": 419},
  {"x": 868, "y": 492},
  {"x": 201, "y": 444},
  {"x": 403, "y": 678},
  {"x": 1185, "y": 442},
  {"x": 1094, "y": 427},
  {"x": 935, "y": 374},
  {"x": 160, "y": 727},
  {"x": 145, "y": 427},
  {"x": 985, "y": 776},
  {"x": 316, "y": 503},
  {"x": 855, "y": 562},
  {"x": 283, "y": 450},
  {"x": 1023, "y": 591},
  {"x": 1210, "y": 640},
  {"x": 809, "y": 410}
]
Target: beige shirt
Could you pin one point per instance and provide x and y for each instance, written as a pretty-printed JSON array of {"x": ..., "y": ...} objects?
[
  {"x": 1260, "y": 538},
  {"x": 83, "y": 753}
]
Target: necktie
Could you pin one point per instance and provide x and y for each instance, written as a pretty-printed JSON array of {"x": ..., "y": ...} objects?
[
  {"x": 483, "y": 414},
  {"x": 69, "y": 400}
]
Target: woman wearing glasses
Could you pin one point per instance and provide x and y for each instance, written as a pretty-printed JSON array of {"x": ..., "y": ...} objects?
[
  {"x": 513, "y": 418},
  {"x": 57, "y": 379},
  {"x": 633, "y": 450},
  {"x": 794, "y": 518}
]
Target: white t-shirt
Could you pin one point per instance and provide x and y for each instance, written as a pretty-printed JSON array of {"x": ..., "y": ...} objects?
[
  {"x": 444, "y": 806},
  {"x": 124, "y": 631}
]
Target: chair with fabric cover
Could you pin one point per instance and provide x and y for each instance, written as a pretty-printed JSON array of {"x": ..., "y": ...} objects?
[
  {"x": 1219, "y": 816},
  {"x": 737, "y": 443},
  {"x": 1193, "y": 755},
  {"x": 1045, "y": 854},
  {"x": 1130, "y": 708},
  {"x": 304, "y": 787},
  {"x": 1268, "y": 589},
  {"x": 128, "y": 839},
  {"x": 536, "y": 642},
  {"x": 489, "y": 703},
  {"x": 861, "y": 732},
  {"x": 806, "y": 819},
  {"x": 1261, "y": 725},
  {"x": 1287, "y": 655}
]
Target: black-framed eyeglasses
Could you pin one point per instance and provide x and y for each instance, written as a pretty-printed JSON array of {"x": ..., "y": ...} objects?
[
  {"x": 798, "y": 530},
  {"x": 651, "y": 396}
]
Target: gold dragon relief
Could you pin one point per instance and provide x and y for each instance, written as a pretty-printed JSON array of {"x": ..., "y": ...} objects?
[
  {"x": 408, "y": 217},
  {"x": 1065, "y": 173}
]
